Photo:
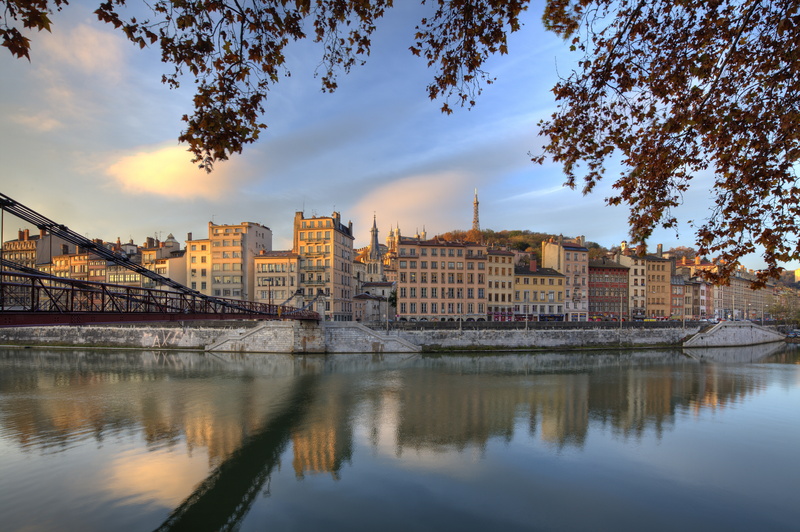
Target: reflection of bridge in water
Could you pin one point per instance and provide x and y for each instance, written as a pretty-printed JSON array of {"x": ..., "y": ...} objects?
[
  {"x": 32, "y": 297},
  {"x": 222, "y": 500}
]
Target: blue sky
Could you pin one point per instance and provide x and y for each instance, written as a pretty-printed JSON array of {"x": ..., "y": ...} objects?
[{"x": 88, "y": 138}]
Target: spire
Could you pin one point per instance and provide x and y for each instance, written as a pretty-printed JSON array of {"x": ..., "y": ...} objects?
[
  {"x": 374, "y": 246},
  {"x": 476, "y": 226}
]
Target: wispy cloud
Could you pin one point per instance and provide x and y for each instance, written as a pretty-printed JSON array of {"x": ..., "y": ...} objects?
[
  {"x": 41, "y": 121},
  {"x": 414, "y": 202},
  {"x": 167, "y": 171},
  {"x": 90, "y": 51},
  {"x": 535, "y": 194}
]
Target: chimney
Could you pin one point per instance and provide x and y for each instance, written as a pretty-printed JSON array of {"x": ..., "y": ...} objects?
[
  {"x": 659, "y": 250},
  {"x": 697, "y": 259},
  {"x": 188, "y": 236},
  {"x": 27, "y": 234},
  {"x": 533, "y": 265},
  {"x": 42, "y": 232},
  {"x": 20, "y": 234},
  {"x": 64, "y": 249}
]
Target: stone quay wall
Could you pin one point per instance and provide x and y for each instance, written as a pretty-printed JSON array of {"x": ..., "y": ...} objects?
[
  {"x": 488, "y": 339},
  {"x": 349, "y": 337},
  {"x": 734, "y": 333}
]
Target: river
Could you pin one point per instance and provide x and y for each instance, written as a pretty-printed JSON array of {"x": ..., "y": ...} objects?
[{"x": 129, "y": 440}]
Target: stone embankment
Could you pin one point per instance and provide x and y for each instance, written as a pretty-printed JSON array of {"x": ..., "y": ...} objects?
[
  {"x": 349, "y": 337},
  {"x": 734, "y": 333}
]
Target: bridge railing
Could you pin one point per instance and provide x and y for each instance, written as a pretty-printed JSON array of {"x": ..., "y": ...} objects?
[{"x": 22, "y": 292}]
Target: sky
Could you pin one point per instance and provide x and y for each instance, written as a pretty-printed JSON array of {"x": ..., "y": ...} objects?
[{"x": 88, "y": 138}]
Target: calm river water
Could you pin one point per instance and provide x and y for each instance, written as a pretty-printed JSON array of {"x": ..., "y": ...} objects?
[{"x": 647, "y": 440}]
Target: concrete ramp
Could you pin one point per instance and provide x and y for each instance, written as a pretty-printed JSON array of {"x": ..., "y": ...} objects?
[
  {"x": 733, "y": 355},
  {"x": 273, "y": 337},
  {"x": 297, "y": 337},
  {"x": 352, "y": 337},
  {"x": 733, "y": 334}
]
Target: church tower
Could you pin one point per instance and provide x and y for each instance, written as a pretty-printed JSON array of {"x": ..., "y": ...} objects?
[
  {"x": 476, "y": 226},
  {"x": 374, "y": 256}
]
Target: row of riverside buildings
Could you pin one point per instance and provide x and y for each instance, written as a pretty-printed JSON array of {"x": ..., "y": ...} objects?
[{"x": 432, "y": 279}]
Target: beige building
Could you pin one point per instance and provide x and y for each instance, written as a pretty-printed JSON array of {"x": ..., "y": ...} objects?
[
  {"x": 325, "y": 248},
  {"x": 737, "y": 300},
  {"x": 164, "y": 258},
  {"x": 277, "y": 277},
  {"x": 538, "y": 294},
  {"x": 233, "y": 248},
  {"x": 441, "y": 281},
  {"x": 500, "y": 287},
  {"x": 571, "y": 258},
  {"x": 222, "y": 264},
  {"x": 198, "y": 265},
  {"x": 637, "y": 275},
  {"x": 35, "y": 251},
  {"x": 659, "y": 285}
]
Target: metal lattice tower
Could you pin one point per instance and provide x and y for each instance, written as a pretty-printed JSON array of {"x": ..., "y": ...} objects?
[{"x": 476, "y": 225}]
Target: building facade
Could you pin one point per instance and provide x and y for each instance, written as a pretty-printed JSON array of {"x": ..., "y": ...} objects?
[
  {"x": 325, "y": 248},
  {"x": 277, "y": 277},
  {"x": 570, "y": 258},
  {"x": 441, "y": 281},
  {"x": 500, "y": 288},
  {"x": 538, "y": 294},
  {"x": 608, "y": 290}
]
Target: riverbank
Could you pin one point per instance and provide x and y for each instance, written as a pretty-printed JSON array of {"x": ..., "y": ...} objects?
[{"x": 349, "y": 337}]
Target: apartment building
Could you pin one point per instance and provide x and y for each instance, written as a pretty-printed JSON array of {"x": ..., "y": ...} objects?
[
  {"x": 164, "y": 258},
  {"x": 325, "y": 248},
  {"x": 35, "y": 251},
  {"x": 659, "y": 285},
  {"x": 571, "y": 258},
  {"x": 198, "y": 264},
  {"x": 637, "y": 274},
  {"x": 538, "y": 293},
  {"x": 222, "y": 264},
  {"x": 681, "y": 299},
  {"x": 439, "y": 280},
  {"x": 500, "y": 287},
  {"x": 608, "y": 290},
  {"x": 233, "y": 248},
  {"x": 277, "y": 277}
]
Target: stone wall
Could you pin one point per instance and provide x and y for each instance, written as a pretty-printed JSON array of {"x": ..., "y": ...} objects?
[
  {"x": 348, "y": 337},
  {"x": 274, "y": 337},
  {"x": 114, "y": 336},
  {"x": 482, "y": 339},
  {"x": 734, "y": 333}
]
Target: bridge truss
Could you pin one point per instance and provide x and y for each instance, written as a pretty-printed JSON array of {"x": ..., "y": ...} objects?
[{"x": 30, "y": 297}]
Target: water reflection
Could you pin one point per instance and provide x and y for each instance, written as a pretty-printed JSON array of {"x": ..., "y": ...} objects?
[{"x": 245, "y": 412}]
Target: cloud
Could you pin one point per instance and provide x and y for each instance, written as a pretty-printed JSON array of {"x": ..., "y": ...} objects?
[
  {"x": 417, "y": 201},
  {"x": 41, "y": 122},
  {"x": 159, "y": 477},
  {"x": 536, "y": 194},
  {"x": 88, "y": 50},
  {"x": 168, "y": 172}
]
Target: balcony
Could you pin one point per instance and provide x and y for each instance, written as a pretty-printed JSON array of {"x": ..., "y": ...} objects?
[{"x": 314, "y": 240}]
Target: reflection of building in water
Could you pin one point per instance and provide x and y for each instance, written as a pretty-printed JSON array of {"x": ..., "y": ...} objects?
[
  {"x": 718, "y": 389},
  {"x": 325, "y": 440},
  {"x": 562, "y": 402},
  {"x": 441, "y": 410},
  {"x": 634, "y": 400},
  {"x": 70, "y": 396}
]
